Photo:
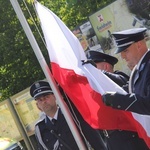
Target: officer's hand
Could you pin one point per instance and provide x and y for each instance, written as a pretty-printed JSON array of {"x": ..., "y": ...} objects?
[{"x": 108, "y": 98}]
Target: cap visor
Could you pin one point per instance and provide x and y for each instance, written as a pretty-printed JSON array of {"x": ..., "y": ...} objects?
[
  {"x": 42, "y": 94},
  {"x": 120, "y": 49}
]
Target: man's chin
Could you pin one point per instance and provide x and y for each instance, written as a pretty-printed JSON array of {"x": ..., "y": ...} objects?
[{"x": 130, "y": 66}]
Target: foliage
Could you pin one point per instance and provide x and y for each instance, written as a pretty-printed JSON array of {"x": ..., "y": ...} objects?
[
  {"x": 19, "y": 67},
  {"x": 141, "y": 9}
]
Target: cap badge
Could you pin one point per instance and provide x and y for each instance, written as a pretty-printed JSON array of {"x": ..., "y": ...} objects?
[{"x": 37, "y": 85}]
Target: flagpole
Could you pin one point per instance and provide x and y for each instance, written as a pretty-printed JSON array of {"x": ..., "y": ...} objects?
[{"x": 48, "y": 74}]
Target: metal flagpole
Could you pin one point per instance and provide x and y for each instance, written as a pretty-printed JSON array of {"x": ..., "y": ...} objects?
[{"x": 48, "y": 74}]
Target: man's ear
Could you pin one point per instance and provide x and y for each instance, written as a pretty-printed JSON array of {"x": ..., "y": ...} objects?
[
  {"x": 108, "y": 67},
  {"x": 139, "y": 44}
]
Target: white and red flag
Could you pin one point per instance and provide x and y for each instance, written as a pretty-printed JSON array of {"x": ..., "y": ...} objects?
[{"x": 84, "y": 84}]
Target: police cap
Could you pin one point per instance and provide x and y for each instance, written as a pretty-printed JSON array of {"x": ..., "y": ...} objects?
[
  {"x": 125, "y": 38},
  {"x": 97, "y": 56},
  {"x": 40, "y": 88}
]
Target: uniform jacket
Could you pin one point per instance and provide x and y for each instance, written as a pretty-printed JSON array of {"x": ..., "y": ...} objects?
[
  {"x": 139, "y": 100},
  {"x": 118, "y": 77},
  {"x": 120, "y": 139},
  {"x": 45, "y": 130}
]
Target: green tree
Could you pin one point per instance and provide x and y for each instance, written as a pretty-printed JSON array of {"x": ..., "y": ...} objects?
[
  {"x": 18, "y": 64},
  {"x": 19, "y": 67}
]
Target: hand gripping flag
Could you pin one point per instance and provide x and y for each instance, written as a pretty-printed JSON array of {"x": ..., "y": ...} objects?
[{"x": 84, "y": 84}]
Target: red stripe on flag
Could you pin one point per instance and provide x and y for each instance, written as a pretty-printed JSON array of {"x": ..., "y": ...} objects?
[
  {"x": 142, "y": 133},
  {"x": 89, "y": 102}
]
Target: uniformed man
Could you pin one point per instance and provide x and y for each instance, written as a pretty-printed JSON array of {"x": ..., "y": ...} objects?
[
  {"x": 106, "y": 63},
  {"x": 115, "y": 139},
  {"x": 57, "y": 135},
  {"x": 52, "y": 131},
  {"x": 132, "y": 46}
]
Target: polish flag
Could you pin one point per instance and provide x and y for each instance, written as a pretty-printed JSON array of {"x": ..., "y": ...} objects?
[{"x": 84, "y": 84}]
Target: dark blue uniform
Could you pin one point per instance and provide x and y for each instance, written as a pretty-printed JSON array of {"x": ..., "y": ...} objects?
[
  {"x": 120, "y": 139},
  {"x": 54, "y": 137},
  {"x": 50, "y": 136},
  {"x": 139, "y": 101},
  {"x": 116, "y": 139}
]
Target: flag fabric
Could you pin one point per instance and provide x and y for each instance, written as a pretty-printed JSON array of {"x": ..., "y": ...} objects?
[{"x": 84, "y": 84}]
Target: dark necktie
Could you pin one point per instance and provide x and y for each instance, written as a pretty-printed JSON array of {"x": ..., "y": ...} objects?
[{"x": 53, "y": 121}]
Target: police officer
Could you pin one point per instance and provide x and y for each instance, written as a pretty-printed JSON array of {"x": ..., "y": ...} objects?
[
  {"x": 115, "y": 139},
  {"x": 52, "y": 131},
  {"x": 57, "y": 135},
  {"x": 132, "y": 46},
  {"x": 106, "y": 63}
]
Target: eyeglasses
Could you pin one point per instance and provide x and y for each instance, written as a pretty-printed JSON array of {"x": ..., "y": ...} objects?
[{"x": 43, "y": 98}]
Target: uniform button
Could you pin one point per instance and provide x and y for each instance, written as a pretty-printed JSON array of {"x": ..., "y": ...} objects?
[
  {"x": 59, "y": 134},
  {"x": 47, "y": 140},
  {"x": 133, "y": 135},
  {"x": 118, "y": 106},
  {"x": 61, "y": 145}
]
